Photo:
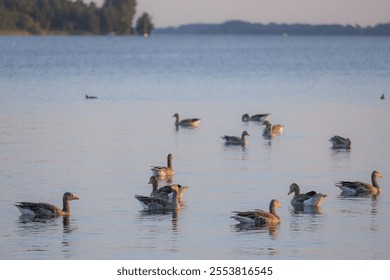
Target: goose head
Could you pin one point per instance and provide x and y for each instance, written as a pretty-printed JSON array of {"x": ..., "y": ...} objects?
[
  {"x": 70, "y": 196},
  {"x": 275, "y": 204},
  {"x": 293, "y": 188},
  {"x": 245, "y": 117},
  {"x": 377, "y": 174}
]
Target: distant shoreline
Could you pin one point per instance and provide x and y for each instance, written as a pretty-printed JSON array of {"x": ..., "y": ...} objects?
[
  {"x": 240, "y": 28},
  {"x": 236, "y": 27}
]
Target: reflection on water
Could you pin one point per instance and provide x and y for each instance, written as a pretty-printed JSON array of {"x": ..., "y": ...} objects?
[
  {"x": 228, "y": 148},
  {"x": 306, "y": 219},
  {"x": 340, "y": 153},
  {"x": 273, "y": 231},
  {"x": 257, "y": 241},
  {"x": 149, "y": 216},
  {"x": 375, "y": 225},
  {"x": 306, "y": 210},
  {"x": 43, "y": 234},
  {"x": 68, "y": 228},
  {"x": 155, "y": 228},
  {"x": 26, "y": 221}
]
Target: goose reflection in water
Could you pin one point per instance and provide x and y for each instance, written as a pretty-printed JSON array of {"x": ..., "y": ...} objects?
[
  {"x": 273, "y": 231},
  {"x": 306, "y": 210},
  {"x": 375, "y": 225},
  {"x": 155, "y": 218},
  {"x": 68, "y": 228},
  {"x": 29, "y": 222}
]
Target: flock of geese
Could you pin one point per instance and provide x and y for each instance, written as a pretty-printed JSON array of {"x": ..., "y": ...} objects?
[{"x": 167, "y": 198}]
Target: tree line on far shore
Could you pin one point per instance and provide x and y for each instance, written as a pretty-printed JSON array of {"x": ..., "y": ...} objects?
[
  {"x": 72, "y": 17},
  {"x": 241, "y": 27}
]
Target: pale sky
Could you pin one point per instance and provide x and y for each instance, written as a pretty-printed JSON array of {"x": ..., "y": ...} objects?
[{"x": 173, "y": 13}]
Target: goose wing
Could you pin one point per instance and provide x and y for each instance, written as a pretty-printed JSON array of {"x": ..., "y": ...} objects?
[
  {"x": 266, "y": 218},
  {"x": 244, "y": 217},
  {"x": 189, "y": 122},
  {"x": 261, "y": 214},
  {"x": 301, "y": 198},
  {"x": 232, "y": 139},
  {"x": 247, "y": 214},
  {"x": 355, "y": 186},
  {"x": 260, "y": 117},
  {"x": 153, "y": 203},
  {"x": 38, "y": 209},
  {"x": 163, "y": 193}
]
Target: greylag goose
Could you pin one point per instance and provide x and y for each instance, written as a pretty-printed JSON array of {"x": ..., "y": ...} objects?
[
  {"x": 383, "y": 97},
  {"x": 164, "y": 171},
  {"x": 46, "y": 210},
  {"x": 339, "y": 142},
  {"x": 158, "y": 204},
  {"x": 256, "y": 118},
  {"x": 311, "y": 198},
  {"x": 275, "y": 129},
  {"x": 357, "y": 187},
  {"x": 267, "y": 131},
  {"x": 259, "y": 217},
  {"x": 90, "y": 97},
  {"x": 187, "y": 122},
  {"x": 235, "y": 140},
  {"x": 165, "y": 192}
]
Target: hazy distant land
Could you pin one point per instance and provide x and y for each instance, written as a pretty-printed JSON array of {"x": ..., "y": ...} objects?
[{"x": 241, "y": 27}]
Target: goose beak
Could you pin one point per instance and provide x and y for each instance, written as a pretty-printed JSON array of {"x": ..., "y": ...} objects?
[{"x": 75, "y": 197}]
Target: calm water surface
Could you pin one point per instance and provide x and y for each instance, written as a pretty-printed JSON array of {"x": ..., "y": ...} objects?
[{"x": 52, "y": 140}]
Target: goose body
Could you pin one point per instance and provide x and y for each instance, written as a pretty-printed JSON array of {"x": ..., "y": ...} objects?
[
  {"x": 165, "y": 192},
  {"x": 273, "y": 129},
  {"x": 259, "y": 217},
  {"x": 164, "y": 171},
  {"x": 256, "y": 118},
  {"x": 339, "y": 142},
  {"x": 235, "y": 140},
  {"x": 159, "y": 204},
  {"x": 356, "y": 187},
  {"x": 311, "y": 198},
  {"x": 186, "y": 122},
  {"x": 267, "y": 131},
  {"x": 46, "y": 210}
]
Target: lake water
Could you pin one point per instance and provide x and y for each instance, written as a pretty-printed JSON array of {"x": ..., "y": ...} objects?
[{"x": 52, "y": 140}]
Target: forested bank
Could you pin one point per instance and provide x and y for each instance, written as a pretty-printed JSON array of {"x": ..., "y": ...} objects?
[{"x": 66, "y": 17}]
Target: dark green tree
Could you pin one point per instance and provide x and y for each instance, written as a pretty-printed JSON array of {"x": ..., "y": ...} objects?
[
  {"x": 144, "y": 25},
  {"x": 118, "y": 16},
  {"x": 69, "y": 16}
]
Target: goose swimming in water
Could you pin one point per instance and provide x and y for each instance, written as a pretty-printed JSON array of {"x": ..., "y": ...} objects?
[
  {"x": 46, "y": 210},
  {"x": 90, "y": 97},
  {"x": 186, "y": 122},
  {"x": 356, "y": 187},
  {"x": 339, "y": 142},
  {"x": 164, "y": 171},
  {"x": 235, "y": 140},
  {"x": 311, "y": 198},
  {"x": 165, "y": 192},
  {"x": 259, "y": 217},
  {"x": 158, "y": 204},
  {"x": 256, "y": 118},
  {"x": 273, "y": 129},
  {"x": 267, "y": 131}
]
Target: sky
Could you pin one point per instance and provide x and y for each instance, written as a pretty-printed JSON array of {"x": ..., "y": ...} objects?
[{"x": 172, "y": 13}]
